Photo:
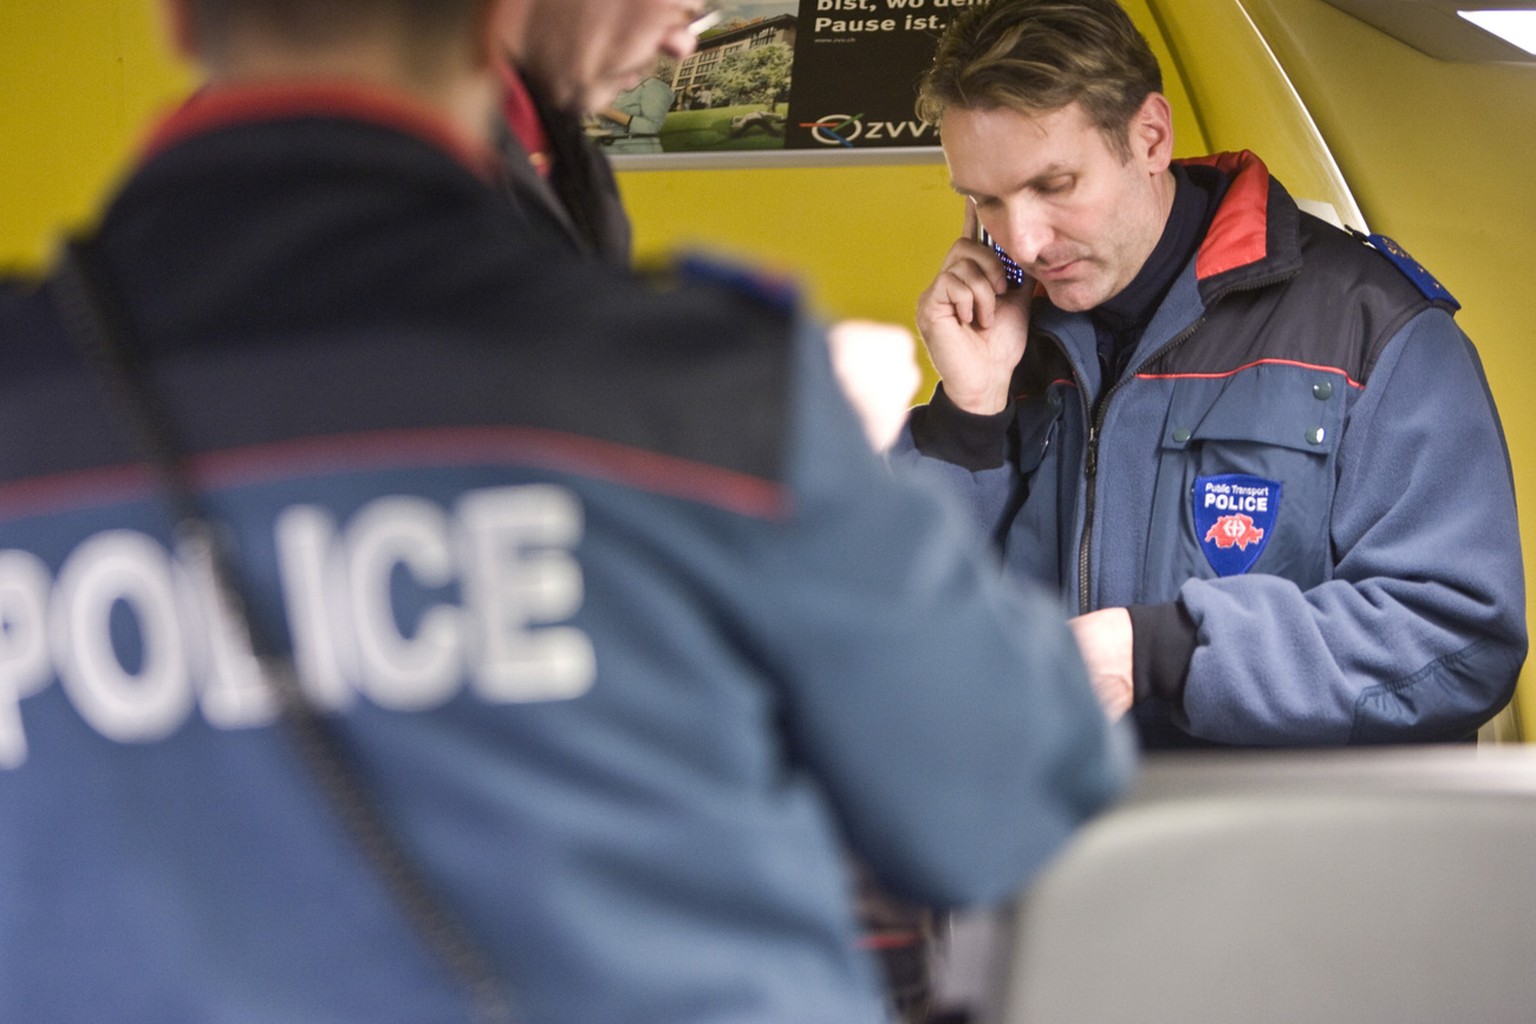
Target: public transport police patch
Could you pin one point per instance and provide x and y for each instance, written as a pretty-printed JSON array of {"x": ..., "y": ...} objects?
[{"x": 1234, "y": 517}]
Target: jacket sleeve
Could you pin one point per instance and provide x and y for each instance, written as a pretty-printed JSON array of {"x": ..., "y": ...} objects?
[
  {"x": 1420, "y": 634},
  {"x": 945, "y": 713},
  {"x": 966, "y": 455}
]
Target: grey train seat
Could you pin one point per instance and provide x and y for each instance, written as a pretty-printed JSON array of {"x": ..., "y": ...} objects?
[{"x": 1359, "y": 887}]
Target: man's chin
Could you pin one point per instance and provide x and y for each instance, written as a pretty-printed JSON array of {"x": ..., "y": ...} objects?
[{"x": 1072, "y": 296}]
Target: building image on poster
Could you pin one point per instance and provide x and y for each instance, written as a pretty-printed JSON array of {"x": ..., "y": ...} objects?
[
  {"x": 809, "y": 75},
  {"x": 733, "y": 93}
]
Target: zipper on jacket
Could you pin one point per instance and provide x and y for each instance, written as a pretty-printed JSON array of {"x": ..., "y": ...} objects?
[
  {"x": 1094, "y": 418},
  {"x": 1097, "y": 415},
  {"x": 1090, "y": 471}
]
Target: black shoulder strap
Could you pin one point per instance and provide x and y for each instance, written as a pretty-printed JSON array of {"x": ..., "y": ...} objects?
[{"x": 96, "y": 320}]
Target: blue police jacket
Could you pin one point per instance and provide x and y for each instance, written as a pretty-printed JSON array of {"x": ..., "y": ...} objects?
[
  {"x": 629, "y": 635},
  {"x": 1299, "y": 486}
]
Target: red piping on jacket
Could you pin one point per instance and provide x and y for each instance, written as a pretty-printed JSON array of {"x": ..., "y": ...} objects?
[
  {"x": 1248, "y": 366},
  {"x": 436, "y": 448}
]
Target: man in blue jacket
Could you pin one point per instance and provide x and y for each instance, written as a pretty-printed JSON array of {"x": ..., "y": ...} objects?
[
  {"x": 1254, "y": 451},
  {"x": 587, "y": 630}
]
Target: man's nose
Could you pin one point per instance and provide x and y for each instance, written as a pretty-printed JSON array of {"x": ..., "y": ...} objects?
[
  {"x": 679, "y": 43},
  {"x": 1024, "y": 234}
]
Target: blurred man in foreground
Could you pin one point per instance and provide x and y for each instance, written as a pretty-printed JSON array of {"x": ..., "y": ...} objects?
[{"x": 586, "y": 628}]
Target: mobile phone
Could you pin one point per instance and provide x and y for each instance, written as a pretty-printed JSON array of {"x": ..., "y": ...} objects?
[{"x": 1014, "y": 272}]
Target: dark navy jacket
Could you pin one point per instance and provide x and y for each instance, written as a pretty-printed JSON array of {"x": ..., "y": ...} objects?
[
  {"x": 1293, "y": 375},
  {"x": 579, "y": 202},
  {"x": 628, "y": 631}
]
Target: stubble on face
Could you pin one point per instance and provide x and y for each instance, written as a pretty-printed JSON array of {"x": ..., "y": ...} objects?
[{"x": 1064, "y": 202}]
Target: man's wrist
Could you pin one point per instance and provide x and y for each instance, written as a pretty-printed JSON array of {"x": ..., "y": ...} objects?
[
  {"x": 943, "y": 430},
  {"x": 980, "y": 403},
  {"x": 1164, "y": 643}
]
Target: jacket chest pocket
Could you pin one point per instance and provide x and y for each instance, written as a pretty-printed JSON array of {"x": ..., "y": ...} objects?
[{"x": 1246, "y": 478}]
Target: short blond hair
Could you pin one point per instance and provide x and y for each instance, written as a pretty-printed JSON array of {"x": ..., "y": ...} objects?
[{"x": 1038, "y": 56}]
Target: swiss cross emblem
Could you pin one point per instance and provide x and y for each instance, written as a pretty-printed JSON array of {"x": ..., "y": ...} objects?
[{"x": 1234, "y": 529}]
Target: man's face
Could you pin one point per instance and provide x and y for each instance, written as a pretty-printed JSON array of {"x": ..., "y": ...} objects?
[
  {"x": 585, "y": 52},
  {"x": 1059, "y": 199}
]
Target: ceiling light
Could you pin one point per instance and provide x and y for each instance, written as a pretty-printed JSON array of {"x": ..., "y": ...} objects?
[
  {"x": 1517, "y": 27},
  {"x": 1432, "y": 26}
]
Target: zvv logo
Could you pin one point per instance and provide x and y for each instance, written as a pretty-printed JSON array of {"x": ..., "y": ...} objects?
[{"x": 846, "y": 129}]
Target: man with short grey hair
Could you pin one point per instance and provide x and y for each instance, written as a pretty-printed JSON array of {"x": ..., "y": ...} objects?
[{"x": 1254, "y": 451}]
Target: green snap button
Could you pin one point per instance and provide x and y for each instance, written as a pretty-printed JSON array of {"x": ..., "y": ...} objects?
[
  {"x": 1181, "y": 434},
  {"x": 1322, "y": 391},
  {"x": 1315, "y": 435}
]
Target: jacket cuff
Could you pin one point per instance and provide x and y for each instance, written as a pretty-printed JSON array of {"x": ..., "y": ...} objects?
[
  {"x": 1163, "y": 639},
  {"x": 943, "y": 430}
]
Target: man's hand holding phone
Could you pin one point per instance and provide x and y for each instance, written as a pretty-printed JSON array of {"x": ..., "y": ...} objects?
[{"x": 974, "y": 322}]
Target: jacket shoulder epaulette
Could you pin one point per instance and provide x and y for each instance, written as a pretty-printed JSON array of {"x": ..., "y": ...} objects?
[{"x": 1427, "y": 284}]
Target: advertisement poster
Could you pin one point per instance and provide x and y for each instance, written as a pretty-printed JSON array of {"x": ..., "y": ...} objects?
[{"x": 834, "y": 76}]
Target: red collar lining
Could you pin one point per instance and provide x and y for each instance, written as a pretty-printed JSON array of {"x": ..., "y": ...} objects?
[
  {"x": 522, "y": 117},
  {"x": 1238, "y": 235},
  {"x": 226, "y": 106}
]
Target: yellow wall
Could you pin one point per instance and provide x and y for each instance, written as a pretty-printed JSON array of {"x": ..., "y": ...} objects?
[
  {"x": 78, "y": 79},
  {"x": 1436, "y": 154}
]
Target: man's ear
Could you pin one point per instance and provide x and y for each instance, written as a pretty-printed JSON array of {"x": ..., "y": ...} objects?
[
  {"x": 501, "y": 29},
  {"x": 1151, "y": 135}
]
